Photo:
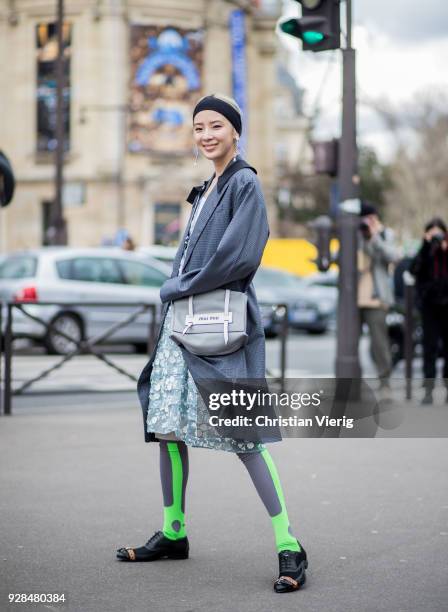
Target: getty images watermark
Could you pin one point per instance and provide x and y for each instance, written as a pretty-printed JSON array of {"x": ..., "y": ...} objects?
[
  {"x": 242, "y": 400},
  {"x": 267, "y": 410}
]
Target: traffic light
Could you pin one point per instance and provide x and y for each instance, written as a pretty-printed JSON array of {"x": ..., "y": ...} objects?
[
  {"x": 323, "y": 229},
  {"x": 318, "y": 28},
  {"x": 326, "y": 156},
  {"x": 7, "y": 182}
]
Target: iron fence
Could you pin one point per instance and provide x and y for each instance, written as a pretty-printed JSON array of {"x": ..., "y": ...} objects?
[{"x": 86, "y": 346}]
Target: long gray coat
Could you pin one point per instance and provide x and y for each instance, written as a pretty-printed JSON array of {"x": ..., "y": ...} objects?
[{"x": 224, "y": 251}]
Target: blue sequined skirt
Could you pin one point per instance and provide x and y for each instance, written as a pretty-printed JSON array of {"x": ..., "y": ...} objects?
[{"x": 173, "y": 400}]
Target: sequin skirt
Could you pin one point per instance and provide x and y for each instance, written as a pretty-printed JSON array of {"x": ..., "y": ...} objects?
[{"x": 173, "y": 400}]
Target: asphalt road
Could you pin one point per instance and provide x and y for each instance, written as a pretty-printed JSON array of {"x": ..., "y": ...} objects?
[{"x": 77, "y": 481}]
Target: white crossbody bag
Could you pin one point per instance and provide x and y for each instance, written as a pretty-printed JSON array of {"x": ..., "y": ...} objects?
[{"x": 211, "y": 323}]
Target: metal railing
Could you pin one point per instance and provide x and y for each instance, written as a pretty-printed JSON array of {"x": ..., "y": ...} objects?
[
  {"x": 88, "y": 345},
  {"x": 84, "y": 346},
  {"x": 283, "y": 336}
]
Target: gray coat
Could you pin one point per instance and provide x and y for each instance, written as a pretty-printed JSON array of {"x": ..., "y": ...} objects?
[
  {"x": 224, "y": 251},
  {"x": 383, "y": 252}
]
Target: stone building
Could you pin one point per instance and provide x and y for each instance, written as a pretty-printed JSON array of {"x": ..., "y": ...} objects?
[{"x": 134, "y": 69}]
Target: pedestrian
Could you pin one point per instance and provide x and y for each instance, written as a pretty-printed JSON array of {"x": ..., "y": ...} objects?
[
  {"x": 128, "y": 244},
  {"x": 376, "y": 254},
  {"x": 222, "y": 248},
  {"x": 430, "y": 268}
]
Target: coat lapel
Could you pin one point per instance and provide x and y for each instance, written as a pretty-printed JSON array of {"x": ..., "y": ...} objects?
[
  {"x": 192, "y": 198},
  {"x": 210, "y": 204}
]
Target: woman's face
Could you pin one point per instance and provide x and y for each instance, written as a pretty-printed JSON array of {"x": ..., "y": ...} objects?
[{"x": 213, "y": 134}]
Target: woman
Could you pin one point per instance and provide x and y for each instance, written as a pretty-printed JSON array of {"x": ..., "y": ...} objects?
[
  {"x": 430, "y": 267},
  {"x": 222, "y": 248}
]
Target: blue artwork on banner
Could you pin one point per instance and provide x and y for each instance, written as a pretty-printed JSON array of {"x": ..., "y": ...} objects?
[
  {"x": 239, "y": 68},
  {"x": 166, "y": 67},
  {"x": 168, "y": 48}
]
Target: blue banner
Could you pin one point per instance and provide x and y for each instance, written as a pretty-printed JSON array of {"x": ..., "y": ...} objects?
[{"x": 237, "y": 28}]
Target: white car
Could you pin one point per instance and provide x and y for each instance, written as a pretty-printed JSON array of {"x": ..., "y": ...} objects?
[
  {"x": 71, "y": 275},
  {"x": 160, "y": 252}
]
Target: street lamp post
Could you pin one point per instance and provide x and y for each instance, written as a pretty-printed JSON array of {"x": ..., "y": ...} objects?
[
  {"x": 59, "y": 234},
  {"x": 348, "y": 328}
]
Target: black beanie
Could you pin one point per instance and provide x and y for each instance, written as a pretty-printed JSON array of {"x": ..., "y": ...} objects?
[
  {"x": 436, "y": 222},
  {"x": 367, "y": 208},
  {"x": 222, "y": 107}
]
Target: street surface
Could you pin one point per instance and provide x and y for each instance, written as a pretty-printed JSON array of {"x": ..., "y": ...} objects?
[{"x": 77, "y": 481}]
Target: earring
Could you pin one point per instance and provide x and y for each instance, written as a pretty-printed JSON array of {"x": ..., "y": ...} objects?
[
  {"x": 235, "y": 141},
  {"x": 196, "y": 156}
]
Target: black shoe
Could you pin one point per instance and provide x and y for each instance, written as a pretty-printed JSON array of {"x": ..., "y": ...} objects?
[
  {"x": 292, "y": 566},
  {"x": 157, "y": 547}
]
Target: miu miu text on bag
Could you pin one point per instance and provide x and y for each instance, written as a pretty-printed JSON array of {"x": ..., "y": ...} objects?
[{"x": 211, "y": 323}]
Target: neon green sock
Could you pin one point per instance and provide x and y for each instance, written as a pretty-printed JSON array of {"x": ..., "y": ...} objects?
[
  {"x": 173, "y": 515},
  {"x": 284, "y": 540}
]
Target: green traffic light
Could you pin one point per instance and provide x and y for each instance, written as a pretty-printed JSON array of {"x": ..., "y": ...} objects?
[{"x": 312, "y": 38}]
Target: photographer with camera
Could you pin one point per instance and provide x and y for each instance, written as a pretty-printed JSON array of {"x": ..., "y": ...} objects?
[
  {"x": 376, "y": 253},
  {"x": 430, "y": 268}
]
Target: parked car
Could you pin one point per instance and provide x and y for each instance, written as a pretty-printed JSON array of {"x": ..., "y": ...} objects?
[
  {"x": 69, "y": 275},
  {"x": 275, "y": 287},
  {"x": 160, "y": 252},
  {"x": 322, "y": 288}
]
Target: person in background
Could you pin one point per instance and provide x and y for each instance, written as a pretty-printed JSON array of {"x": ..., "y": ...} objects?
[
  {"x": 376, "y": 254},
  {"x": 128, "y": 244},
  {"x": 430, "y": 268}
]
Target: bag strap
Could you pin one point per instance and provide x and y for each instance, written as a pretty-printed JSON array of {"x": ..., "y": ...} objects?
[
  {"x": 226, "y": 316},
  {"x": 189, "y": 317}
]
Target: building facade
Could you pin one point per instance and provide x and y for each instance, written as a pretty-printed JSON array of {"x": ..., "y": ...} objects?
[{"x": 133, "y": 72}]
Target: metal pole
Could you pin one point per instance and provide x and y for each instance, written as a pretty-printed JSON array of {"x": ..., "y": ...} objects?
[
  {"x": 8, "y": 359},
  {"x": 408, "y": 336},
  {"x": 349, "y": 23},
  {"x": 347, "y": 359},
  {"x": 283, "y": 339},
  {"x": 1, "y": 358},
  {"x": 60, "y": 231}
]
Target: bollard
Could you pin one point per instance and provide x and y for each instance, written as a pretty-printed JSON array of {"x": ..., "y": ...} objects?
[
  {"x": 283, "y": 338},
  {"x": 8, "y": 359},
  {"x": 409, "y": 290},
  {"x": 1, "y": 358}
]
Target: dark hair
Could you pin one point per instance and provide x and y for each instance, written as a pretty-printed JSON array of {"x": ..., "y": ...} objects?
[{"x": 436, "y": 222}]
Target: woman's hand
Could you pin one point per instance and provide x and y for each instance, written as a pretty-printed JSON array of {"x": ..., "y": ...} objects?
[{"x": 434, "y": 231}]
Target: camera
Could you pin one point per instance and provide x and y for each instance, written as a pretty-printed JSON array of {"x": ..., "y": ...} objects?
[
  {"x": 364, "y": 229},
  {"x": 438, "y": 238}
]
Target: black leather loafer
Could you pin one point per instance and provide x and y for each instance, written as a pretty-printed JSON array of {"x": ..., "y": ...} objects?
[
  {"x": 157, "y": 547},
  {"x": 292, "y": 566}
]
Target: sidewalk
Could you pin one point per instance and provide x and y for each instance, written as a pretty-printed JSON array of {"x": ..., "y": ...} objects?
[{"x": 77, "y": 482}]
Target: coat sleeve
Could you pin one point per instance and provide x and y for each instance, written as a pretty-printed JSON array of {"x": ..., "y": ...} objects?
[
  {"x": 382, "y": 249},
  {"x": 239, "y": 251}
]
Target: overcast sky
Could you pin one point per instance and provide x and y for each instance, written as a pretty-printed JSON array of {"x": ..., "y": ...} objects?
[{"x": 402, "y": 49}]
